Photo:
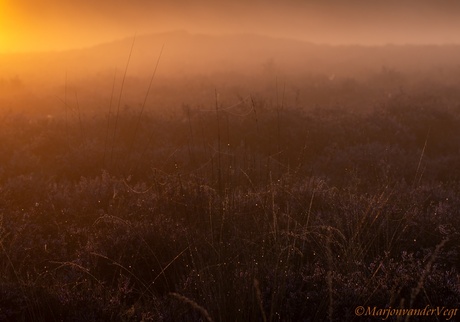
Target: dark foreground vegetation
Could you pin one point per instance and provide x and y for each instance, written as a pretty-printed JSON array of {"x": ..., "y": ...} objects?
[{"x": 255, "y": 212}]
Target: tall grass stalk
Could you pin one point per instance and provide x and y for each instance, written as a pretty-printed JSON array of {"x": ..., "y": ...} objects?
[
  {"x": 418, "y": 175},
  {"x": 119, "y": 101},
  {"x": 109, "y": 115},
  {"x": 329, "y": 277},
  {"x": 82, "y": 131},
  {"x": 219, "y": 156},
  {"x": 139, "y": 118},
  {"x": 66, "y": 121},
  {"x": 259, "y": 299},
  {"x": 416, "y": 291},
  {"x": 77, "y": 266},
  {"x": 273, "y": 209},
  {"x": 204, "y": 313},
  {"x": 191, "y": 141},
  {"x": 278, "y": 122}
]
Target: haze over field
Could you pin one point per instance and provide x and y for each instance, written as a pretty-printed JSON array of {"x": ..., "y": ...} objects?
[
  {"x": 53, "y": 50},
  {"x": 192, "y": 66}
]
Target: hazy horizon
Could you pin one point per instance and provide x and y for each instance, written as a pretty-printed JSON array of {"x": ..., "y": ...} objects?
[
  {"x": 53, "y": 25},
  {"x": 51, "y": 49}
]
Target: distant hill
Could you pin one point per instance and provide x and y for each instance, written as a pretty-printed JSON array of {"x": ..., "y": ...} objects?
[
  {"x": 193, "y": 66},
  {"x": 186, "y": 53}
]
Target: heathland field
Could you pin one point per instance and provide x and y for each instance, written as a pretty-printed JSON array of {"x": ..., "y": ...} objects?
[{"x": 275, "y": 197}]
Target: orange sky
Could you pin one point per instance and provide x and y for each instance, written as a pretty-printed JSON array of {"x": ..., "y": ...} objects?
[{"x": 32, "y": 25}]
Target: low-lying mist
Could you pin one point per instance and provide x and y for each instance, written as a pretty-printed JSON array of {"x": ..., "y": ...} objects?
[{"x": 186, "y": 68}]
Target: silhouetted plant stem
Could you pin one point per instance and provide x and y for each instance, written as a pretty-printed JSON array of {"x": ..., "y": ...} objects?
[
  {"x": 136, "y": 128},
  {"x": 119, "y": 101},
  {"x": 108, "y": 119},
  {"x": 219, "y": 168}
]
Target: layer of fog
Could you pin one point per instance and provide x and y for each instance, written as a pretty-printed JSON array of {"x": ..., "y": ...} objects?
[{"x": 192, "y": 67}]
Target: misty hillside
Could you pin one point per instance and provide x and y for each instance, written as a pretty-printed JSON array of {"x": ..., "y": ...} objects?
[
  {"x": 195, "y": 65},
  {"x": 199, "y": 53}
]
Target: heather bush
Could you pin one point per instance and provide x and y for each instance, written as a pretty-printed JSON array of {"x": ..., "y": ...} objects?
[{"x": 251, "y": 213}]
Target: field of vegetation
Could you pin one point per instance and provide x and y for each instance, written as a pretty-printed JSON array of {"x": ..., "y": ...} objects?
[{"x": 259, "y": 210}]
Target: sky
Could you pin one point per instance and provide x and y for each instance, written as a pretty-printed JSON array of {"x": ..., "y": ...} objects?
[{"x": 43, "y": 25}]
